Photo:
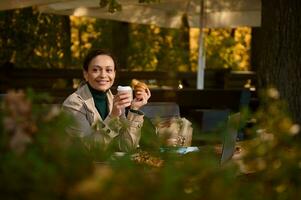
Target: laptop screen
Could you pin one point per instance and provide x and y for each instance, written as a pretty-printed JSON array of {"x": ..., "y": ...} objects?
[{"x": 230, "y": 136}]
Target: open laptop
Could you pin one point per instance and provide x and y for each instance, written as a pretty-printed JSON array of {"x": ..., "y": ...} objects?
[{"x": 230, "y": 137}]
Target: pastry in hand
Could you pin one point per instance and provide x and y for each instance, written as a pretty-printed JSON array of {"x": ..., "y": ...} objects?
[{"x": 138, "y": 87}]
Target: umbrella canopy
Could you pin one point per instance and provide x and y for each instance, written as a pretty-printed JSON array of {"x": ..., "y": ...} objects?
[{"x": 165, "y": 13}]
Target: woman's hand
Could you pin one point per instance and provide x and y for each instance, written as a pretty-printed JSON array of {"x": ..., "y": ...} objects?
[
  {"x": 141, "y": 98},
  {"x": 120, "y": 102}
]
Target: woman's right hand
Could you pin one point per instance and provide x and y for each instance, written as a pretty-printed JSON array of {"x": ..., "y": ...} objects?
[{"x": 120, "y": 102}]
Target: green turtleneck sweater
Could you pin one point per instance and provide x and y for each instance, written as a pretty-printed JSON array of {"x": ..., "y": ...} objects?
[{"x": 101, "y": 101}]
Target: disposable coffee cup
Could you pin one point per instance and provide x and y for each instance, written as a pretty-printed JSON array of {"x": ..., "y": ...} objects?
[{"x": 125, "y": 89}]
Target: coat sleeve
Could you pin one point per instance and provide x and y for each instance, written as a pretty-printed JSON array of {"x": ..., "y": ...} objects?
[
  {"x": 129, "y": 130},
  {"x": 124, "y": 132}
]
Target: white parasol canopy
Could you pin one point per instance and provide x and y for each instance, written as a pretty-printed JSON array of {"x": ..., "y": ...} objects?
[{"x": 165, "y": 13}]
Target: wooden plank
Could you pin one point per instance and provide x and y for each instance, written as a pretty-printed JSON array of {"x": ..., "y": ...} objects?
[{"x": 55, "y": 79}]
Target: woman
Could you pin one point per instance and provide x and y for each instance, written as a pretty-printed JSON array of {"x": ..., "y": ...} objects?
[{"x": 100, "y": 118}]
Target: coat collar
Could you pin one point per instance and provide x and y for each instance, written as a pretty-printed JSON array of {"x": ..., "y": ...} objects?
[{"x": 87, "y": 97}]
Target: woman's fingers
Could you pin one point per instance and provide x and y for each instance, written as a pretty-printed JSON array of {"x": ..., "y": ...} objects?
[
  {"x": 148, "y": 93},
  {"x": 140, "y": 100},
  {"x": 122, "y": 106},
  {"x": 122, "y": 96},
  {"x": 143, "y": 94},
  {"x": 122, "y": 100}
]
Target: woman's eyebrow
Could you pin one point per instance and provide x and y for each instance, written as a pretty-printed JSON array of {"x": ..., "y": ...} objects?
[
  {"x": 99, "y": 66},
  {"x": 96, "y": 65}
]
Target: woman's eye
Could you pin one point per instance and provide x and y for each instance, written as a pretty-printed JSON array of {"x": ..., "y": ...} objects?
[
  {"x": 109, "y": 70},
  {"x": 94, "y": 70}
]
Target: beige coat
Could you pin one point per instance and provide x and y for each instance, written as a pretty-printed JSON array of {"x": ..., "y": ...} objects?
[{"x": 125, "y": 131}]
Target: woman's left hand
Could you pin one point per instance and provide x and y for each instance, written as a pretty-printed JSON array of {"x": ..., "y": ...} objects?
[{"x": 141, "y": 98}]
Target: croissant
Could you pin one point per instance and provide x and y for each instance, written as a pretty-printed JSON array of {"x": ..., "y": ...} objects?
[{"x": 138, "y": 85}]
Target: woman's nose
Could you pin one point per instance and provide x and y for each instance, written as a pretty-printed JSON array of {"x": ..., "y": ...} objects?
[{"x": 102, "y": 73}]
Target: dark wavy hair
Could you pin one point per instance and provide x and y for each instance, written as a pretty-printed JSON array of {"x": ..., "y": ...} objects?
[{"x": 96, "y": 52}]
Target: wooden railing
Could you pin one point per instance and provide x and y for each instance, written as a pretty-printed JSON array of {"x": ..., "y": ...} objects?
[
  {"x": 48, "y": 79},
  {"x": 222, "y": 87}
]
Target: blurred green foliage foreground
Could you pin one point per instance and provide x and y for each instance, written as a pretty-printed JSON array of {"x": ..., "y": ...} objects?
[{"x": 40, "y": 161}]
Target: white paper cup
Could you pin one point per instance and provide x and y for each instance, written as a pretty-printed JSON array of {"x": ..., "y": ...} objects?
[{"x": 125, "y": 89}]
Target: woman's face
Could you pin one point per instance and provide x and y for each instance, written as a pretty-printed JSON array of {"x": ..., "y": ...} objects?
[{"x": 101, "y": 73}]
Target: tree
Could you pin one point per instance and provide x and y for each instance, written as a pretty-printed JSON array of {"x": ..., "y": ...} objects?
[
  {"x": 279, "y": 60},
  {"x": 31, "y": 39}
]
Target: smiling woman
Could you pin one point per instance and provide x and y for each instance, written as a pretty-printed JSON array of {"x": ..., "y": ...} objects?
[{"x": 99, "y": 117}]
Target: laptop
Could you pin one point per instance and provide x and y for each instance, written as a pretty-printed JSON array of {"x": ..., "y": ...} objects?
[{"x": 230, "y": 137}]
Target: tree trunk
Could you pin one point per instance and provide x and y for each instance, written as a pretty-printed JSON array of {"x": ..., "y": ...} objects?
[
  {"x": 256, "y": 47},
  {"x": 120, "y": 35},
  {"x": 279, "y": 63}
]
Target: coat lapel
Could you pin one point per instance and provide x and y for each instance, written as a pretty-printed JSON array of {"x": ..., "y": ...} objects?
[
  {"x": 110, "y": 101},
  {"x": 86, "y": 95}
]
